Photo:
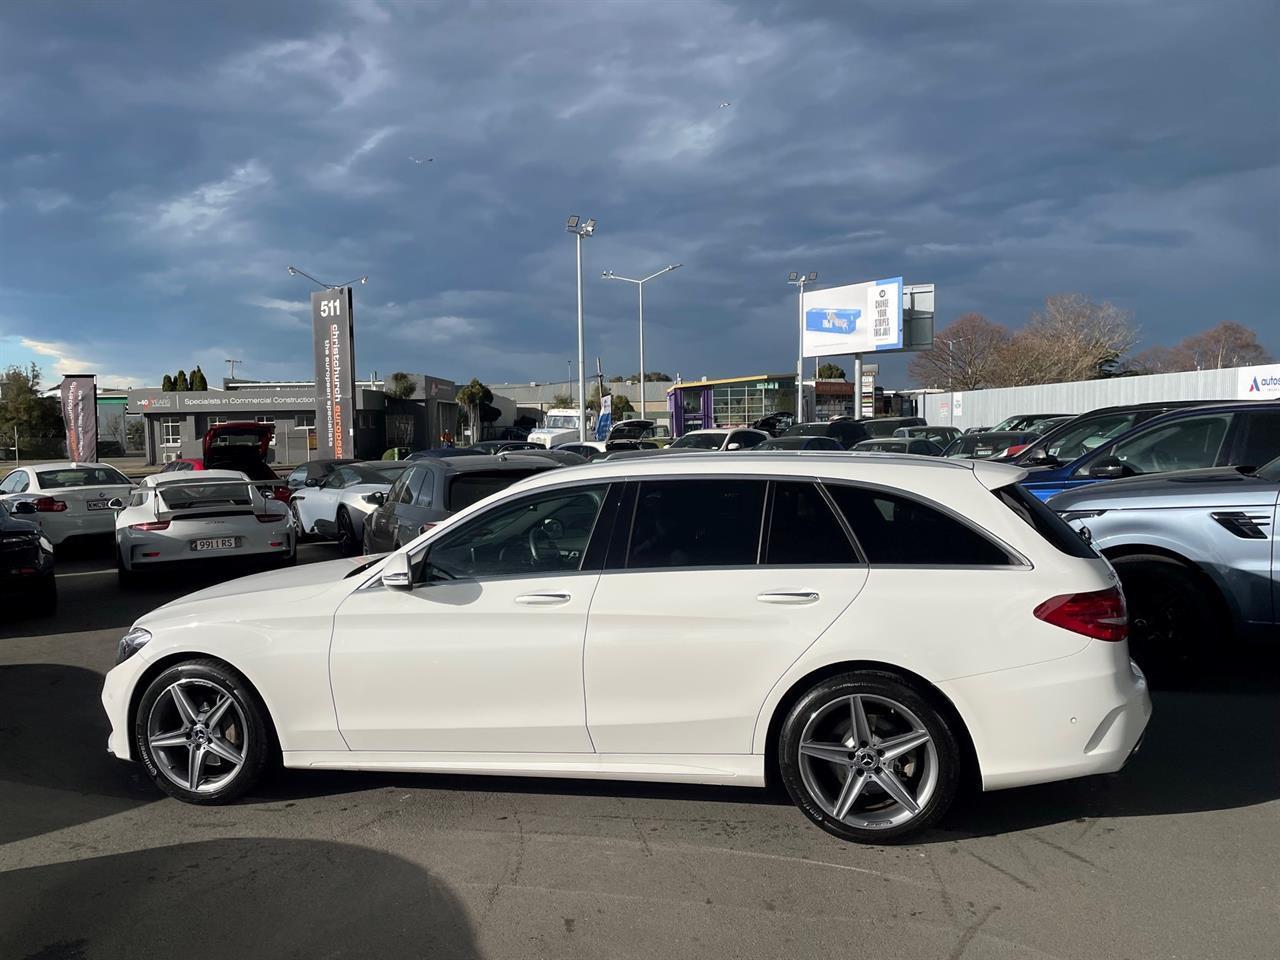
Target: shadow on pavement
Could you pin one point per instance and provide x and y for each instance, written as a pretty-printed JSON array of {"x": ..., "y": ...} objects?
[
  {"x": 53, "y": 737},
  {"x": 232, "y": 898}
]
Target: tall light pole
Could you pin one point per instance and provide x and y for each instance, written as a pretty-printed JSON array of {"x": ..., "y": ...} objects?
[
  {"x": 799, "y": 280},
  {"x": 580, "y": 230},
  {"x": 610, "y": 275},
  {"x": 951, "y": 389},
  {"x": 295, "y": 272}
]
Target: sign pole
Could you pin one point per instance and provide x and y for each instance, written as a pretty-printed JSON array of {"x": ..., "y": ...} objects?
[
  {"x": 800, "y": 354},
  {"x": 857, "y": 386}
]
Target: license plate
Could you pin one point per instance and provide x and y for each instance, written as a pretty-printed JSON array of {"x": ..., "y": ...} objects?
[
  {"x": 215, "y": 543},
  {"x": 98, "y": 504}
]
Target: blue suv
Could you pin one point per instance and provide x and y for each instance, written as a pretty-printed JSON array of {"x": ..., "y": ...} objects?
[{"x": 1213, "y": 435}]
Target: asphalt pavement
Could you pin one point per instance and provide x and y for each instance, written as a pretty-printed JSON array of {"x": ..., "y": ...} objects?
[{"x": 1177, "y": 856}]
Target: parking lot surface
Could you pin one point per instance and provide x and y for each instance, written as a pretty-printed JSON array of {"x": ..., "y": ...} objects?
[{"x": 1178, "y": 856}]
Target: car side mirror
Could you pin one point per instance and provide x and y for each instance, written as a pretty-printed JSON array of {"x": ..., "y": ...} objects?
[
  {"x": 311, "y": 482},
  {"x": 397, "y": 574},
  {"x": 27, "y": 506},
  {"x": 734, "y": 446},
  {"x": 1109, "y": 468},
  {"x": 268, "y": 495},
  {"x": 115, "y": 503},
  {"x": 377, "y": 498}
]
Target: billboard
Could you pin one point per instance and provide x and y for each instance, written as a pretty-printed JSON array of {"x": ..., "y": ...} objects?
[
  {"x": 858, "y": 318},
  {"x": 604, "y": 423},
  {"x": 333, "y": 336},
  {"x": 80, "y": 415}
]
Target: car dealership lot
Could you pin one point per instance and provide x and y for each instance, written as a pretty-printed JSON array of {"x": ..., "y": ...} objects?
[{"x": 1176, "y": 856}]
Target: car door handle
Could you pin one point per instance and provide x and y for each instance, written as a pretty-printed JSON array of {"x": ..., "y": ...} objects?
[
  {"x": 542, "y": 599},
  {"x": 801, "y": 596}
]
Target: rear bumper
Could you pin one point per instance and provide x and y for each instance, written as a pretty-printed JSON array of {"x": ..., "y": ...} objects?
[
  {"x": 265, "y": 541},
  {"x": 1074, "y": 717},
  {"x": 58, "y": 527}
]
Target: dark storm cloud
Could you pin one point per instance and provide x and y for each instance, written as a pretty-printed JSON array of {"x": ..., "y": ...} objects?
[{"x": 163, "y": 163}]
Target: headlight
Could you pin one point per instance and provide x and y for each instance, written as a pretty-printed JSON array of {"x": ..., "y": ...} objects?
[
  {"x": 131, "y": 643},
  {"x": 1070, "y": 515}
]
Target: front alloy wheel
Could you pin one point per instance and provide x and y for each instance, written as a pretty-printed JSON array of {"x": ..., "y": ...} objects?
[
  {"x": 201, "y": 733},
  {"x": 868, "y": 759}
]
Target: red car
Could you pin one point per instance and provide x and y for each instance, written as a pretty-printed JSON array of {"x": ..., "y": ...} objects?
[{"x": 239, "y": 446}]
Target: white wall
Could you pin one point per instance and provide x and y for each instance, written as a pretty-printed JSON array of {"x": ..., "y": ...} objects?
[{"x": 984, "y": 408}]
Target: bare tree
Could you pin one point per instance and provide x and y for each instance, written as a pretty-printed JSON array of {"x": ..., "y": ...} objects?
[
  {"x": 966, "y": 355},
  {"x": 1072, "y": 338}
]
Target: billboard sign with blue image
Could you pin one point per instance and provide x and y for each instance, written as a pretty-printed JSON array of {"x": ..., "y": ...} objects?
[{"x": 857, "y": 318}]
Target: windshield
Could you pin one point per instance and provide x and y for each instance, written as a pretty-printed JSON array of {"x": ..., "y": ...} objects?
[
  {"x": 1083, "y": 437},
  {"x": 187, "y": 496},
  {"x": 701, "y": 441},
  {"x": 80, "y": 477},
  {"x": 561, "y": 422}
]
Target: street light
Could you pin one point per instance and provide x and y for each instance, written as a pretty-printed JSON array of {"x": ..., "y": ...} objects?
[
  {"x": 610, "y": 275},
  {"x": 580, "y": 230},
  {"x": 951, "y": 389},
  {"x": 799, "y": 280},
  {"x": 295, "y": 272}
]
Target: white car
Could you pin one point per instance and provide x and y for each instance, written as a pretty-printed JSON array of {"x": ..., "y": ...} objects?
[
  {"x": 72, "y": 499},
  {"x": 210, "y": 514},
  {"x": 740, "y": 438},
  {"x": 791, "y": 643},
  {"x": 336, "y": 506}
]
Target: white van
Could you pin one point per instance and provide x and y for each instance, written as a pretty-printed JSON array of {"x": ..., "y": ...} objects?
[{"x": 560, "y": 426}]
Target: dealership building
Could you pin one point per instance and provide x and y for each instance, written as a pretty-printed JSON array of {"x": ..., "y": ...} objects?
[{"x": 175, "y": 422}]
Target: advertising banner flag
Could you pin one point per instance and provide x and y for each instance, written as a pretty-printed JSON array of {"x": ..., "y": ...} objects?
[
  {"x": 80, "y": 414},
  {"x": 333, "y": 336},
  {"x": 605, "y": 421},
  {"x": 858, "y": 318}
]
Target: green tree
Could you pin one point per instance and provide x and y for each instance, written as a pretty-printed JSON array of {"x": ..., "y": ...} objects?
[
  {"x": 180, "y": 382},
  {"x": 167, "y": 383},
  {"x": 198, "y": 380},
  {"x": 619, "y": 406},
  {"x": 562, "y": 400},
  {"x": 829, "y": 371},
  {"x": 36, "y": 420},
  {"x": 472, "y": 398},
  {"x": 651, "y": 376},
  {"x": 401, "y": 386}
]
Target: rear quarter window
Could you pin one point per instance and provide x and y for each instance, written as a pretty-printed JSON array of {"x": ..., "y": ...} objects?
[
  {"x": 1033, "y": 511},
  {"x": 468, "y": 488}
]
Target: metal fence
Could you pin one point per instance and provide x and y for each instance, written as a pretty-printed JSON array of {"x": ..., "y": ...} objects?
[{"x": 984, "y": 408}]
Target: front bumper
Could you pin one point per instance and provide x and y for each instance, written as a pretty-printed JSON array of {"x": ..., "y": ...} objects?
[
  {"x": 115, "y": 701},
  {"x": 1074, "y": 717}
]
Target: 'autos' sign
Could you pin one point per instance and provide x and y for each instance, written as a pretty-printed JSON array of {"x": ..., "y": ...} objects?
[{"x": 1258, "y": 383}]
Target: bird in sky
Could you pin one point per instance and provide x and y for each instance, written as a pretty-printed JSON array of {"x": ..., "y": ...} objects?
[
  {"x": 423, "y": 160},
  {"x": 725, "y": 104}
]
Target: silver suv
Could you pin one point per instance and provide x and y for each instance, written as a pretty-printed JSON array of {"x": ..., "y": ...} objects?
[{"x": 1195, "y": 552}]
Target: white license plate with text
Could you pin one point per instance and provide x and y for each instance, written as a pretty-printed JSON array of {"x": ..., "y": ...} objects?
[
  {"x": 98, "y": 504},
  {"x": 214, "y": 543}
]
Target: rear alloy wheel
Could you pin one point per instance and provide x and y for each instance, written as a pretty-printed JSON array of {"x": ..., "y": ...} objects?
[
  {"x": 348, "y": 546},
  {"x": 868, "y": 759},
  {"x": 297, "y": 523},
  {"x": 1171, "y": 613},
  {"x": 201, "y": 733}
]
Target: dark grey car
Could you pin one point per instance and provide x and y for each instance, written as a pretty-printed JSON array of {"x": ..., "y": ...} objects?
[{"x": 435, "y": 487}]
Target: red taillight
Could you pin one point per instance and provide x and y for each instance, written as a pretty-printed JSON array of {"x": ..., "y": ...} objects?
[
  {"x": 150, "y": 525},
  {"x": 50, "y": 505},
  {"x": 1099, "y": 614}
]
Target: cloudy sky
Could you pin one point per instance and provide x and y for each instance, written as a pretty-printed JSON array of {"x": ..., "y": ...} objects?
[{"x": 162, "y": 163}]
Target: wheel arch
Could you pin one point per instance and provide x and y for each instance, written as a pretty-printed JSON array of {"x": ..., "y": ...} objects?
[
  {"x": 1219, "y": 596},
  {"x": 971, "y": 774},
  {"x": 168, "y": 660}
]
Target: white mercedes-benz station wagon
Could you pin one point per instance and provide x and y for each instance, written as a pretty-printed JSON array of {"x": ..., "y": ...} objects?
[{"x": 865, "y": 630}]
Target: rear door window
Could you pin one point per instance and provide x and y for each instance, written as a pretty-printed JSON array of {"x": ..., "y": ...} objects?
[
  {"x": 1186, "y": 444},
  {"x": 697, "y": 523},
  {"x": 896, "y": 530},
  {"x": 1261, "y": 442},
  {"x": 803, "y": 530},
  {"x": 1084, "y": 437}
]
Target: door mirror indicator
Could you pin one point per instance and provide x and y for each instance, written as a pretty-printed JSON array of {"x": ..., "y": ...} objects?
[{"x": 396, "y": 574}]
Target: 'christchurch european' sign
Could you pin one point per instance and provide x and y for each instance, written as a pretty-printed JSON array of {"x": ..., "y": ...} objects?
[{"x": 332, "y": 335}]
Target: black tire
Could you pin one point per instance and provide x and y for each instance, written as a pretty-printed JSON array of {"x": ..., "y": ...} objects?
[
  {"x": 347, "y": 544},
  {"x": 126, "y": 578},
  {"x": 206, "y": 679},
  {"x": 297, "y": 523},
  {"x": 1173, "y": 613},
  {"x": 47, "y": 596},
  {"x": 893, "y": 708}
]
